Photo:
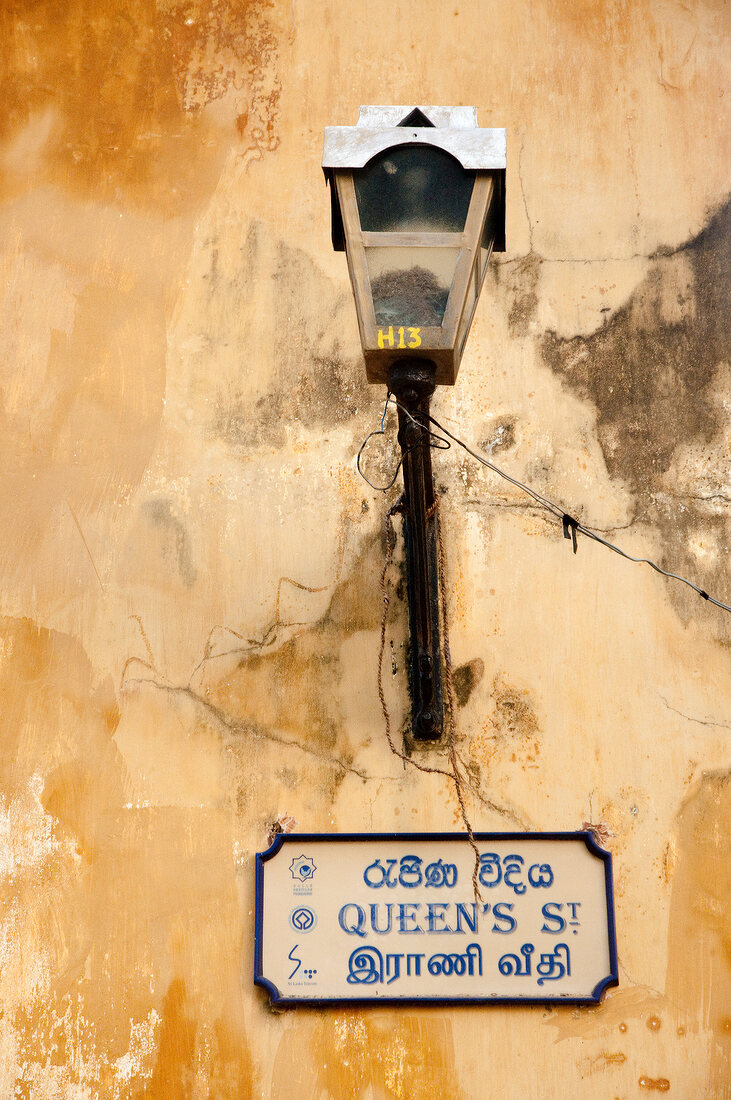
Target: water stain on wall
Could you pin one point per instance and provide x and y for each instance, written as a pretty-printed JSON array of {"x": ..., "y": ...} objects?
[
  {"x": 652, "y": 372},
  {"x": 63, "y": 788},
  {"x": 102, "y": 995},
  {"x": 180, "y": 1051},
  {"x": 390, "y": 1055},
  {"x": 161, "y": 515},
  {"x": 316, "y": 375},
  {"x": 699, "y": 940},
  {"x": 289, "y": 685},
  {"x": 119, "y": 120},
  {"x": 174, "y": 1071},
  {"x": 514, "y": 716},
  {"x": 465, "y": 679},
  {"x": 123, "y": 87},
  {"x": 521, "y": 281}
]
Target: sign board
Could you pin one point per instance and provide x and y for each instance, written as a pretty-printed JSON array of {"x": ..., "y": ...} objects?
[{"x": 389, "y": 917}]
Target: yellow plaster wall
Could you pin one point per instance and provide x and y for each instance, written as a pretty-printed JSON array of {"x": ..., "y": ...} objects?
[{"x": 190, "y": 562}]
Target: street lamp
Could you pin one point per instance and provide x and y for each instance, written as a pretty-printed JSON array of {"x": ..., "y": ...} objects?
[{"x": 418, "y": 204}]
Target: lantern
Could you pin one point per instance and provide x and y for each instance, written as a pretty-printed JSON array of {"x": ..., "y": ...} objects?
[{"x": 418, "y": 205}]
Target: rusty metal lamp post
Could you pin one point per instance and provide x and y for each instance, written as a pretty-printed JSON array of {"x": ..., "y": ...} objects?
[{"x": 418, "y": 205}]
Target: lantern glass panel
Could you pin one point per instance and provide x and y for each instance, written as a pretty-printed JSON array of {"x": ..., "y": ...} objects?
[
  {"x": 488, "y": 234},
  {"x": 410, "y": 286},
  {"x": 469, "y": 308},
  {"x": 413, "y": 189}
]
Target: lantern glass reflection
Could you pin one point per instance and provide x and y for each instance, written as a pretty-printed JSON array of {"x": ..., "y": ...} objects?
[{"x": 413, "y": 189}]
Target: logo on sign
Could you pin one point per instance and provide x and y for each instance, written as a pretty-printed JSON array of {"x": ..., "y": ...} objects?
[
  {"x": 302, "y": 870},
  {"x": 302, "y": 919},
  {"x": 308, "y": 973}
]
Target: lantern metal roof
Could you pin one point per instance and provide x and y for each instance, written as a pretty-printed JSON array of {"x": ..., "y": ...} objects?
[{"x": 453, "y": 129}]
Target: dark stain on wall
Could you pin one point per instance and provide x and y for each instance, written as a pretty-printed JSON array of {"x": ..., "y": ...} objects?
[
  {"x": 329, "y": 385},
  {"x": 514, "y": 715},
  {"x": 501, "y": 435},
  {"x": 318, "y": 376},
  {"x": 650, "y": 372},
  {"x": 161, "y": 515},
  {"x": 521, "y": 279},
  {"x": 466, "y": 678},
  {"x": 648, "y": 375}
]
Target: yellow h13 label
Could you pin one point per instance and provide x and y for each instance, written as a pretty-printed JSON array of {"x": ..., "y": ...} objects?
[{"x": 391, "y": 338}]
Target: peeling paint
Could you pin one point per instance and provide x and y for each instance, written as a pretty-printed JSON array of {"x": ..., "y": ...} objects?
[{"x": 153, "y": 71}]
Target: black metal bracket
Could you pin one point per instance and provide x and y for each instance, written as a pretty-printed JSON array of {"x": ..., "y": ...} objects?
[{"x": 412, "y": 383}]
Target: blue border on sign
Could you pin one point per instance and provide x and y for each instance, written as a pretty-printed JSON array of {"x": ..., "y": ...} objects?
[{"x": 281, "y": 839}]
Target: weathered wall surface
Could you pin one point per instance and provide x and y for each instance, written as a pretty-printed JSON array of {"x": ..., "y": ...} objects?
[{"x": 190, "y": 563}]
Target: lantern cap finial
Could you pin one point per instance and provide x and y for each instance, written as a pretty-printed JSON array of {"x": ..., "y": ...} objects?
[{"x": 455, "y": 118}]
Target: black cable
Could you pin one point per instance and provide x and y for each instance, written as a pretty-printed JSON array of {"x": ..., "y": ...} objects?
[{"x": 439, "y": 444}]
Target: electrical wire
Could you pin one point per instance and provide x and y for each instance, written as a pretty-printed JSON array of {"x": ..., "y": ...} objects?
[
  {"x": 571, "y": 525},
  {"x": 439, "y": 444},
  {"x": 574, "y": 525}
]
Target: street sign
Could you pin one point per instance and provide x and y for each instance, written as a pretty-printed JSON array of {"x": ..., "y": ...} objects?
[{"x": 388, "y": 918}]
